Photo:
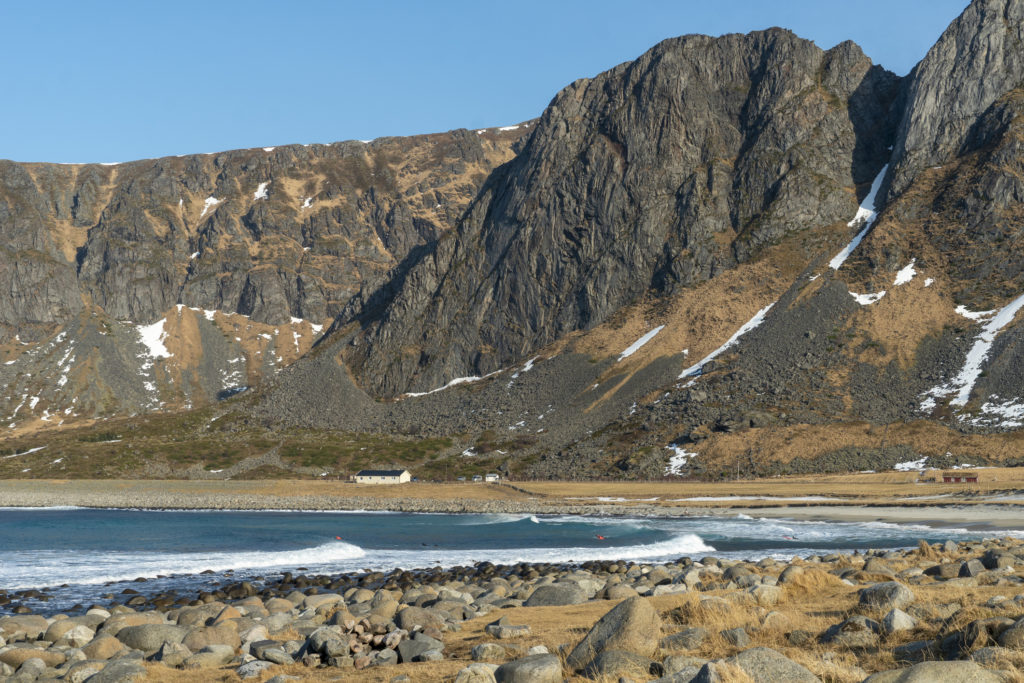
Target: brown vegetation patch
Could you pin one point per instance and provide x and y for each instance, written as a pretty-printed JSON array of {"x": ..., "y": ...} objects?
[
  {"x": 893, "y": 328},
  {"x": 783, "y": 444}
]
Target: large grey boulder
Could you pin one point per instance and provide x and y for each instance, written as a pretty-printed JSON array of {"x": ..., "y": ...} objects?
[
  {"x": 409, "y": 650},
  {"x": 532, "y": 669},
  {"x": 315, "y": 602},
  {"x": 78, "y": 636},
  {"x": 103, "y": 647},
  {"x": 737, "y": 637},
  {"x": 856, "y": 632},
  {"x": 149, "y": 637},
  {"x": 687, "y": 639},
  {"x": 886, "y": 596},
  {"x": 27, "y": 626},
  {"x": 1013, "y": 637},
  {"x": 224, "y": 633},
  {"x": 172, "y": 654},
  {"x": 80, "y": 672},
  {"x": 762, "y": 665},
  {"x": 971, "y": 568},
  {"x": 16, "y": 656},
  {"x": 120, "y": 671},
  {"x": 476, "y": 673},
  {"x": 555, "y": 594},
  {"x": 937, "y": 672},
  {"x": 30, "y": 670},
  {"x": 487, "y": 651},
  {"x": 619, "y": 591},
  {"x": 253, "y": 669},
  {"x": 410, "y": 617},
  {"x": 633, "y": 626},
  {"x": 676, "y": 663},
  {"x": 211, "y": 657},
  {"x": 328, "y": 641},
  {"x": 505, "y": 629},
  {"x": 897, "y": 620}
]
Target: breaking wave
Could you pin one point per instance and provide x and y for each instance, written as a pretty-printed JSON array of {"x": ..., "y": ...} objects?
[{"x": 24, "y": 569}]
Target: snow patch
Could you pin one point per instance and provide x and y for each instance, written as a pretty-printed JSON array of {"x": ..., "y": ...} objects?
[
  {"x": 867, "y": 299},
  {"x": 964, "y": 382},
  {"x": 308, "y": 203},
  {"x": 153, "y": 336},
  {"x": 1006, "y": 414},
  {"x": 261, "y": 191},
  {"x": 454, "y": 382},
  {"x": 269, "y": 149},
  {"x": 906, "y": 274},
  {"x": 209, "y": 203},
  {"x": 695, "y": 370},
  {"x": 973, "y": 315},
  {"x": 677, "y": 461},
  {"x": 928, "y": 281},
  {"x": 526, "y": 368},
  {"x": 910, "y": 465},
  {"x": 635, "y": 346},
  {"x": 866, "y": 215},
  {"x": 16, "y": 455}
]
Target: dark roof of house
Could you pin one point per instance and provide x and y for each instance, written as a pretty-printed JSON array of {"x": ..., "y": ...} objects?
[{"x": 379, "y": 473}]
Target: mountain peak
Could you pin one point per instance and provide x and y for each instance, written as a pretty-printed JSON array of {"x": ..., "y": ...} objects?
[{"x": 978, "y": 58}]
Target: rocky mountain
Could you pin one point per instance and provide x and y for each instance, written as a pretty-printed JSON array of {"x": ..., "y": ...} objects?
[
  {"x": 239, "y": 260},
  {"x": 741, "y": 253}
]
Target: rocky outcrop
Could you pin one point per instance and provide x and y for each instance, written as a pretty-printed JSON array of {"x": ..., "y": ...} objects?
[
  {"x": 651, "y": 177},
  {"x": 280, "y": 237},
  {"x": 976, "y": 61}
]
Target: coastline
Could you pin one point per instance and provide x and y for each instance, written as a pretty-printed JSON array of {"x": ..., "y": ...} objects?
[
  {"x": 374, "y": 624},
  {"x": 265, "y": 496}
]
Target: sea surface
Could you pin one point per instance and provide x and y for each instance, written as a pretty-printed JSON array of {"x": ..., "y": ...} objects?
[{"x": 83, "y": 553}]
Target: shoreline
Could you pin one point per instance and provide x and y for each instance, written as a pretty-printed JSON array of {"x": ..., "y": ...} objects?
[
  {"x": 435, "y": 623},
  {"x": 263, "y": 496}
]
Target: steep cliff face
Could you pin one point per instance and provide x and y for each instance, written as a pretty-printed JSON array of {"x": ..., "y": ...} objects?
[
  {"x": 656, "y": 175},
  {"x": 284, "y": 239},
  {"x": 978, "y": 59}
]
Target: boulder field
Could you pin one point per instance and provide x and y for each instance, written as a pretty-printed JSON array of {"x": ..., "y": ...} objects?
[{"x": 951, "y": 612}]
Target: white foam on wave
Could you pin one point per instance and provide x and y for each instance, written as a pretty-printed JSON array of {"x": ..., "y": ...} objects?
[
  {"x": 492, "y": 518},
  {"x": 25, "y": 567},
  {"x": 674, "y": 547}
]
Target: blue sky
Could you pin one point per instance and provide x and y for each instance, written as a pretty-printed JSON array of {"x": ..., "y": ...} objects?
[{"x": 115, "y": 81}]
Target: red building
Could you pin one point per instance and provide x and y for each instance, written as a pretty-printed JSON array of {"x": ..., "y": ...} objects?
[{"x": 959, "y": 478}]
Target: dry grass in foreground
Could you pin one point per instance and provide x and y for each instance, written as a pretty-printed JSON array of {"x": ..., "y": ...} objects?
[{"x": 811, "y": 603}]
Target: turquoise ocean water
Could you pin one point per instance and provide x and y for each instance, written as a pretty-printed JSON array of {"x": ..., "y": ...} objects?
[{"x": 95, "y": 551}]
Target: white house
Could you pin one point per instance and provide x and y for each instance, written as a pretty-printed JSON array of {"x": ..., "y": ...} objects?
[{"x": 382, "y": 476}]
